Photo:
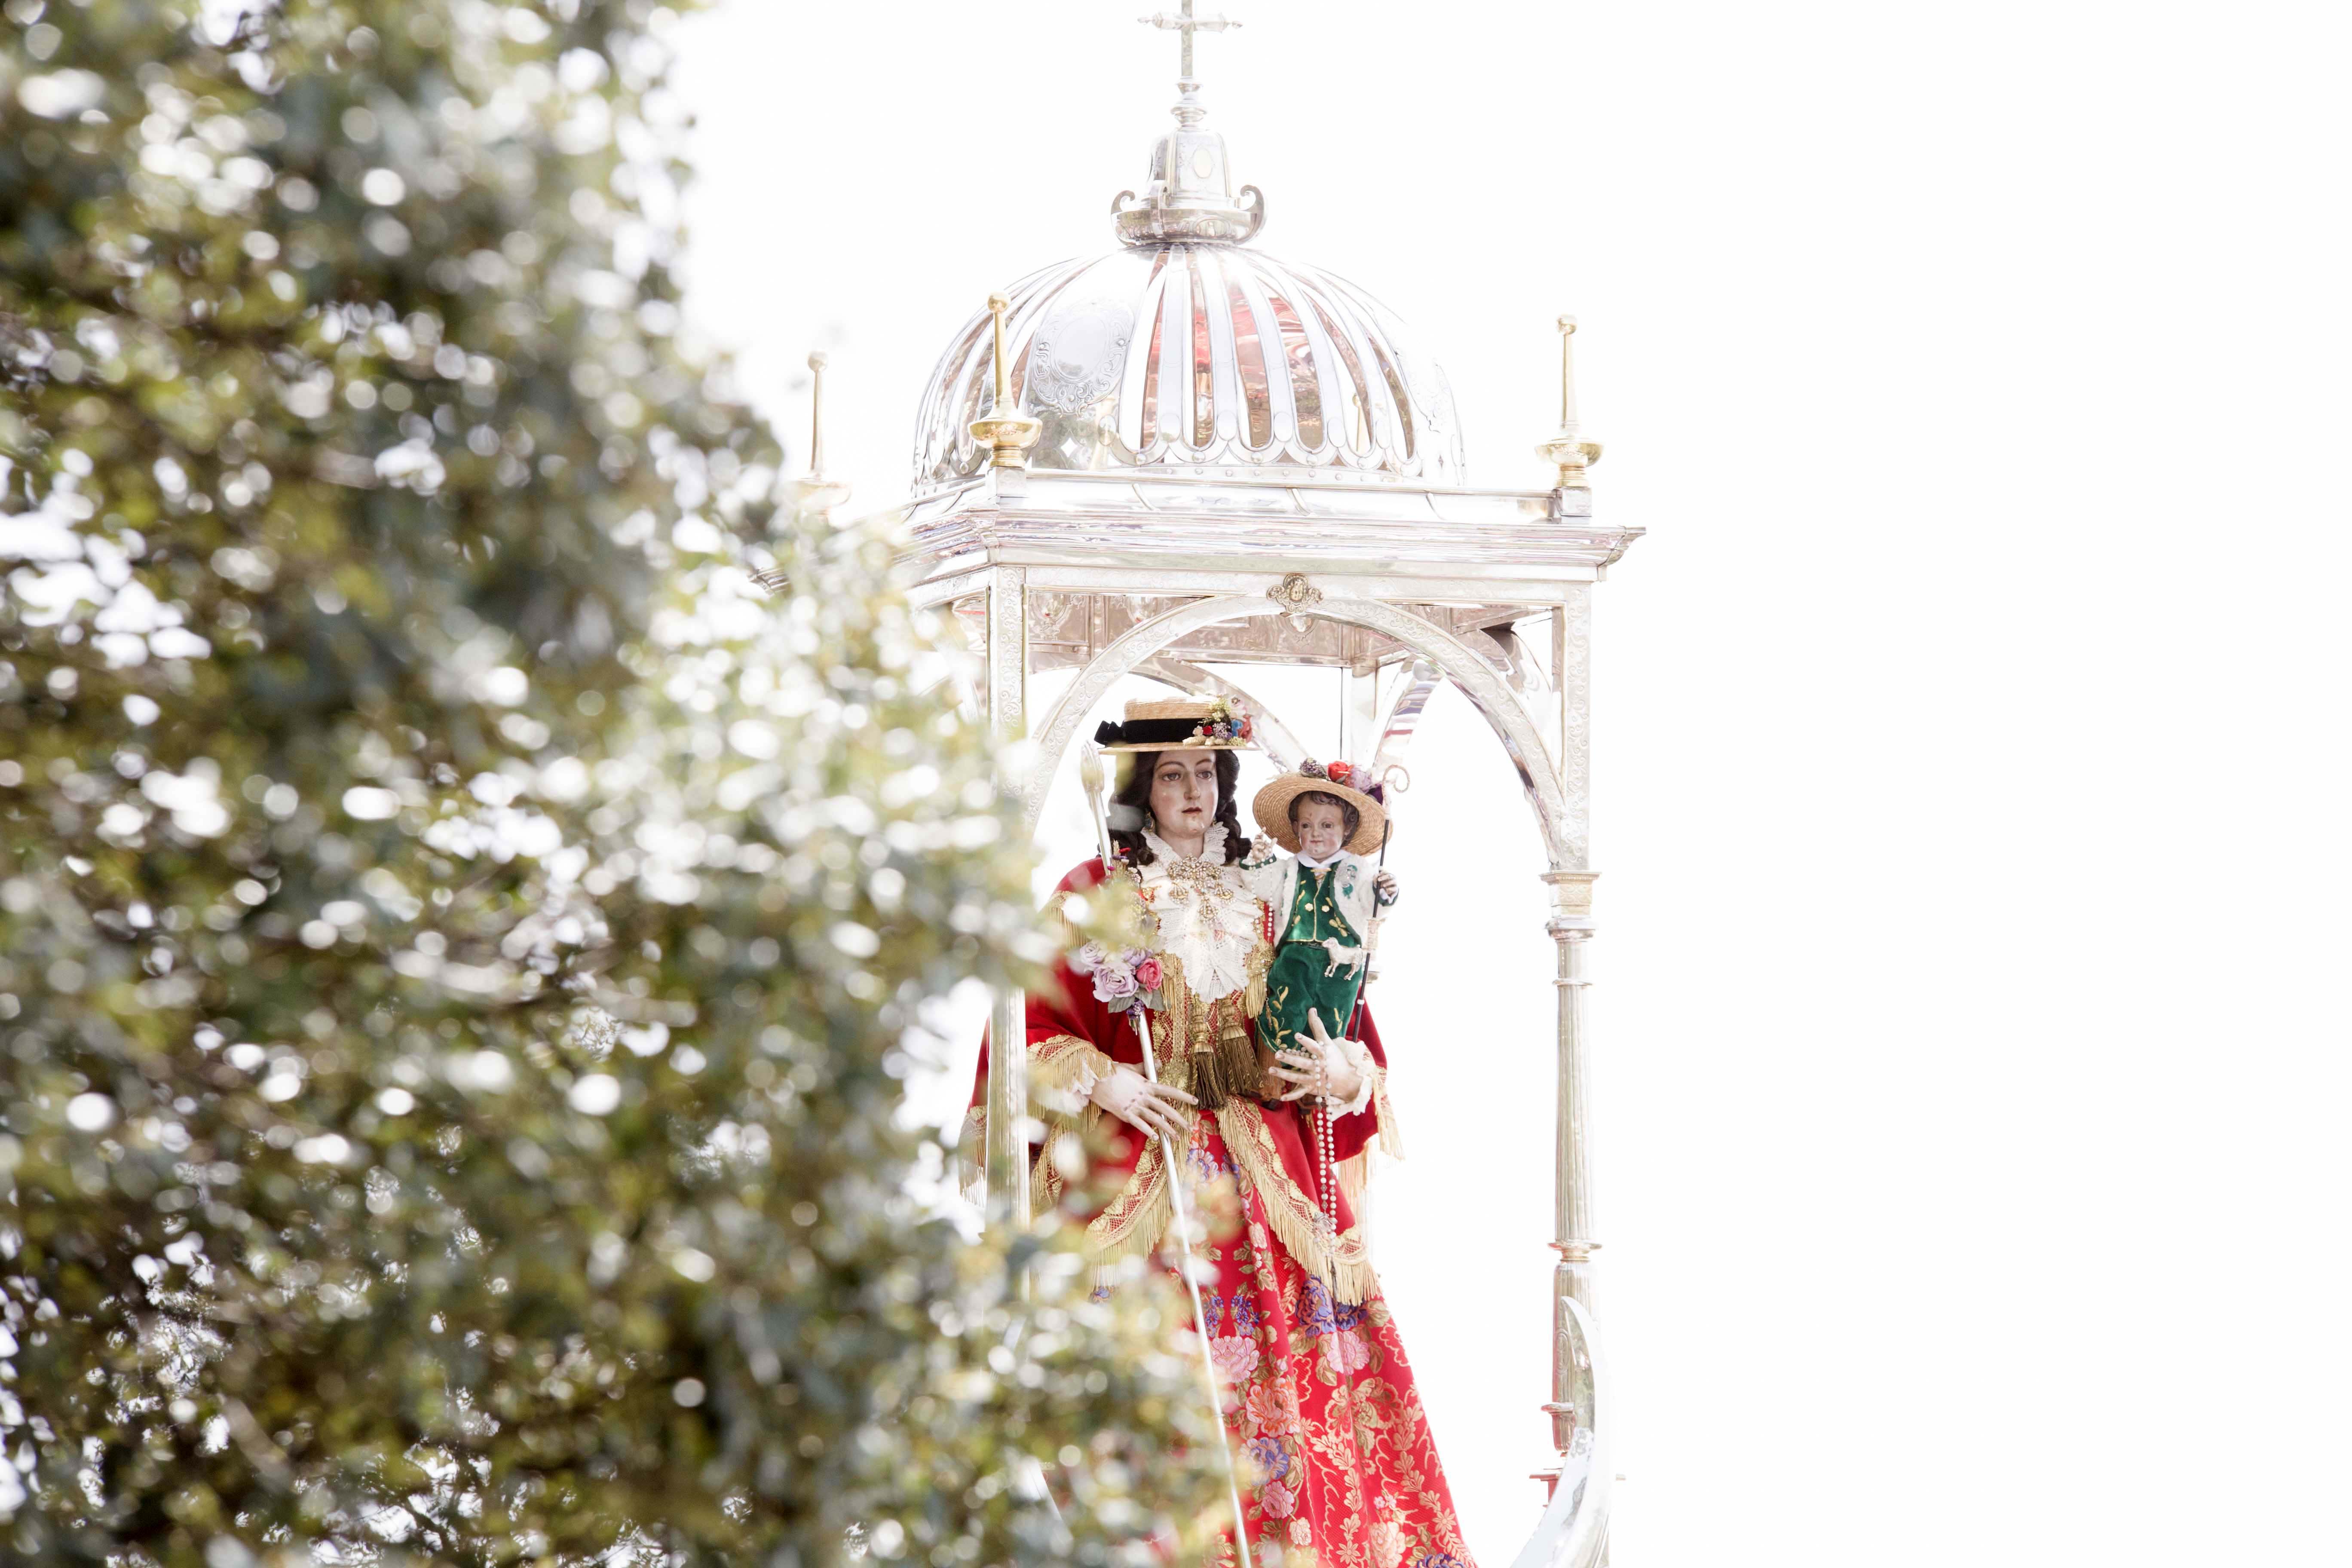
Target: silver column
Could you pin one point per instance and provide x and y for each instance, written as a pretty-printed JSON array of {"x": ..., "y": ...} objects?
[
  {"x": 1571, "y": 925},
  {"x": 1007, "y": 698}
]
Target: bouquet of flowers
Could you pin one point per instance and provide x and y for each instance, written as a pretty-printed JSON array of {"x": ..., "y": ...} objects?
[
  {"x": 1227, "y": 720},
  {"x": 1124, "y": 980}
]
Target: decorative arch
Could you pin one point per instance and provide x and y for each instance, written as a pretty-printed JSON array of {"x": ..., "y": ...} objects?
[{"x": 1489, "y": 693}]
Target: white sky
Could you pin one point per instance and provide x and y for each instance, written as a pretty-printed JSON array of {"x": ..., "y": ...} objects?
[{"x": 1969, "y": 1041}]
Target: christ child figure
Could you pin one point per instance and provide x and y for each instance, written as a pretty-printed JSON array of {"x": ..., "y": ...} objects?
[{"x": 1321, "y": 900}]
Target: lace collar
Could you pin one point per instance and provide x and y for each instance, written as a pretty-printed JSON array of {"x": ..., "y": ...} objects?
[
  {"x": 1207, "y": 917},
  {"x": 1213, "y": 846}
]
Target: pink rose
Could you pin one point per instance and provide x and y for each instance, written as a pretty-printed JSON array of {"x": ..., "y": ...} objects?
[
  {"x": 1115, "y": 985},
  {"x": 1235, "y": 1356},
  {"x": 1147, "y": 972}
]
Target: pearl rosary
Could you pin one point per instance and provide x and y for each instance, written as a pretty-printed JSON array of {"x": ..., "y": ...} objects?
[{"x": 1327, "y": 1210}]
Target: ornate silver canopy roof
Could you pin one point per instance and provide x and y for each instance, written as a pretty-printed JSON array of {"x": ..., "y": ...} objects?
[
  {"x": 1186, "y": 351},
  {"x": 1199, "y": 356}
]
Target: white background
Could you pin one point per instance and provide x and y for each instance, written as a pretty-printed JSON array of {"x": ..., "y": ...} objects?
[{"x": 1970, "y": 1049}]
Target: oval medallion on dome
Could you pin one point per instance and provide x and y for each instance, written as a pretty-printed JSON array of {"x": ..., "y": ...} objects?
[{"x": 1080, "y": 353}]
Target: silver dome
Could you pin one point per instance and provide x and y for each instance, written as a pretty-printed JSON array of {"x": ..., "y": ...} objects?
[{"x": 1202, "y": 356}]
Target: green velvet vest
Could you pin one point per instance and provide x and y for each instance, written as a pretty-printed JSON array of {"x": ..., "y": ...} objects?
[{"x": 1296, "y": 981}]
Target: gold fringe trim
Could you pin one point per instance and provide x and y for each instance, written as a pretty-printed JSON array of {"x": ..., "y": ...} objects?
[
  {"x": 1056, "y": 1065},
  {"x": 1255, "y": 970},
  {"x": 1208, "y": 1037},
  {"x": 971, "y": 1168},
  {"x": 1136, "y": 1220},
  {"x": 1392, "y": 1135},
  {"x": 1354, "y": 1174},
  {"x": 1344, "y": 1264}
]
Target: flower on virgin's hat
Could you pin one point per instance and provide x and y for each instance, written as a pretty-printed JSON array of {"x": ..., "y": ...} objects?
[{"x": 1227, "y": 720}]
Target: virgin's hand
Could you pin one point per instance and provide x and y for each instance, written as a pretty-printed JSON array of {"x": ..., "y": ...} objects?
[
  {"x": 1151, "y": 1109},
  {"x": 1330, "y": 1070}
]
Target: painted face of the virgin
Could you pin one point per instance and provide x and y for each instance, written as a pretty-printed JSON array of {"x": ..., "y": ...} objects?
[
  {"x": 1322, "y": 828},
  {"x": 1184, "y": 797}
]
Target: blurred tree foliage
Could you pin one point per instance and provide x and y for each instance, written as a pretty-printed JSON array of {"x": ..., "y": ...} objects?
[{"x": 459, "y": 940}]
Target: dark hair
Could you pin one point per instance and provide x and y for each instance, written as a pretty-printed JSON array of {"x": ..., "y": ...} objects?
[
  {"x": 1135, "y": 793},
  {"x": 1348, "y": 813}
]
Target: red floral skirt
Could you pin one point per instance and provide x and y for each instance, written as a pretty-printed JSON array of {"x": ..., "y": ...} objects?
[{"x": 1336, "y": 1461}]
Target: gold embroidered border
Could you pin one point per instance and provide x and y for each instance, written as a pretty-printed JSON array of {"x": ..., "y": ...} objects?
[
  {"x": 1136, "y": 1220},
  {"x": 1343, "y": 1264},
  {"x": 1056, "y": 1065}
]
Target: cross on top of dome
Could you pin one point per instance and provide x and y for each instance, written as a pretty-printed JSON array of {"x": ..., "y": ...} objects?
[
  {"x": 1189, "y": 353},
  {"x": 1185, "y": 23},
  {"x": 1191, "y": 194}
]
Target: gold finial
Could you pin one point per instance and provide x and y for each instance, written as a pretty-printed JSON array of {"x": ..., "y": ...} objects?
[
  {"x": 1004, "y": 430},
  {"x": 1566, "y": 376},
  {"x": 1568, "y": 450},
  {"x": 815, "y": 495}
]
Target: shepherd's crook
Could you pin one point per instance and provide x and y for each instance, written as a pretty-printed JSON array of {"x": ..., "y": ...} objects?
[{"x": 1090, "y": 775}]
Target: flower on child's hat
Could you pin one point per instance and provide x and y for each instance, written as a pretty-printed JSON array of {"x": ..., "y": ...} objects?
[
  {"x": 1339, "y": 772},
  {"x": 1313, "y": 769}
]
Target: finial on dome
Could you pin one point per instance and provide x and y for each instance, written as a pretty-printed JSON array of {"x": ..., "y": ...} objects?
[
  {"x": 1191, "y": 194},
  {"x": 1006, "y": 431},
  {"x": 1567, "y": 448},
  {"x": 815, "y": 495}
]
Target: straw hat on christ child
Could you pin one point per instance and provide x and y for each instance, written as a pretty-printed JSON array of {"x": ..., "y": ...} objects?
[{"x": 1272, "y": 807}]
